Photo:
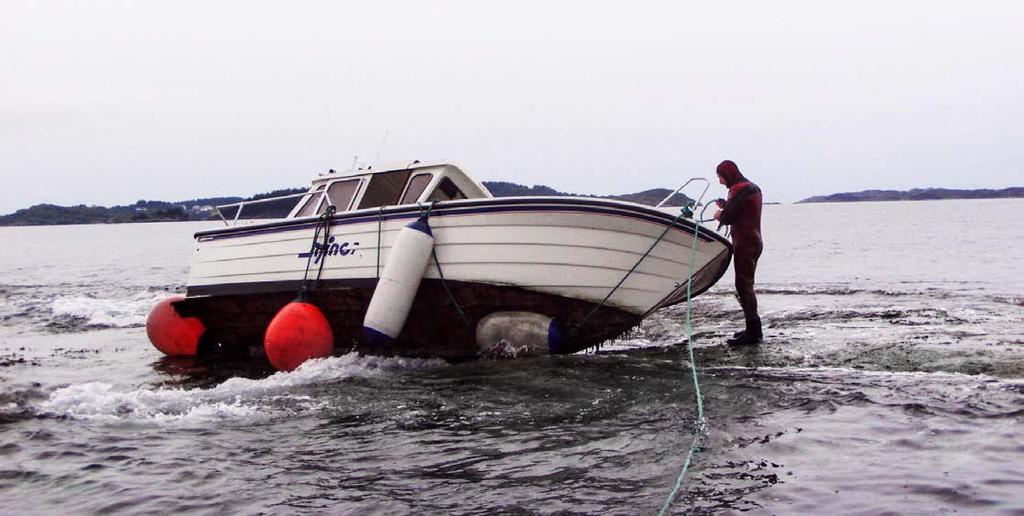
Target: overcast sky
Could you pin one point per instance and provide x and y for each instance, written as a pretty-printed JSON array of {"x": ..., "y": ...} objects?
[{"x": 111, "y": 102}]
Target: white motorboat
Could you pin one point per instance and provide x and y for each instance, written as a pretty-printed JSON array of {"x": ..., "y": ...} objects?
[{"x": 586, "y": 269}]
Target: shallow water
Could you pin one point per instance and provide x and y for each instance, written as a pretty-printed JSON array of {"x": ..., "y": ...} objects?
[{"x": 891, "y": 379}]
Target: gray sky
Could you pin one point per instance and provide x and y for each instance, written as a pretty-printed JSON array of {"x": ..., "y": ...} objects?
[{"x": 111, "y": 102}]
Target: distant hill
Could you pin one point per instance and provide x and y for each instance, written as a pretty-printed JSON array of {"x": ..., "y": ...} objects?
[
  {"x": 47, "y": 214},
  {"x": 917, "y": 194},
  {"x": 648, "y": 197},
  {"x": 202, "y": 209},
  {"x": 149, "y": 211},
  {"x": 506, "y": 189}
]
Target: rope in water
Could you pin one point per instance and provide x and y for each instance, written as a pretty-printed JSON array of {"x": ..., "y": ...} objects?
[{"x": 700, "y": 425}]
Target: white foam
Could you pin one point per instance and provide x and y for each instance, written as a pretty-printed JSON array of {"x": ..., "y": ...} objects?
[
  {"x": 237, "y": 399},
  {"x": 105, "y": 312}
]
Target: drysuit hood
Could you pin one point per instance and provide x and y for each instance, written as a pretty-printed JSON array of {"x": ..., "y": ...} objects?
[{"x": 730, "y": 172}]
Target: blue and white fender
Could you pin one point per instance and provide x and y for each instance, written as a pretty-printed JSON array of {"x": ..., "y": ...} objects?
[
  {"x": 396, "y": 289},
  {"x": 514, "y": 334}
]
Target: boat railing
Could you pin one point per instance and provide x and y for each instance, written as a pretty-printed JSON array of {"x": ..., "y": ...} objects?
[
  {"x": 241, "y": 205},
  {"x": 702, "y": 220},
  {"x": 698, "y": 202}
]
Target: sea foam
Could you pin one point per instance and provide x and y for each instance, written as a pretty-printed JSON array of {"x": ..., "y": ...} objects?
[
  {"x": 237, "y": 399},
  {"x": 99, "y": 312}
]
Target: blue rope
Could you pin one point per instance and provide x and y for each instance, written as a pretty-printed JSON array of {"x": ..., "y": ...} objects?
[{"x": 700, "y": 425}]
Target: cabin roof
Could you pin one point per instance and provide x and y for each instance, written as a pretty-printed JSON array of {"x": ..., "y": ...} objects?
[
  {"x": 471, "y": 187},
  {"x": 387, "y": 167}
]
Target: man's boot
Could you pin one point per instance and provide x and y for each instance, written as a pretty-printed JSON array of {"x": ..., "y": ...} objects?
[
  {"x": 752, "y": 335},
  {"x": 754, "y": 330}
]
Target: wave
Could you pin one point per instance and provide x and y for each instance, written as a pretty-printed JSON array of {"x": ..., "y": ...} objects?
[
  {"x": 83, "y": 312},
  {"x": 237, "y": 399},
  {"x": 69, "y": 308},
  {"x": 914, "y": 316},
  {"x": 1009, "y": 300},
  {"x": 14, "y": 402},
  {"x": 924, "y": 392}
]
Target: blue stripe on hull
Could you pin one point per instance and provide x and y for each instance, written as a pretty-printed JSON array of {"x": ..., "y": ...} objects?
[{"x": 413, "y": 212}]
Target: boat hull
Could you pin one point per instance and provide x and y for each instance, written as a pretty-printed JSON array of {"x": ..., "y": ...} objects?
[
  {"x": 557, "y": 257},
  {"x": 436, "y": 326}
]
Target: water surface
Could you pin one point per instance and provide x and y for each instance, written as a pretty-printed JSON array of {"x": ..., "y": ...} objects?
[{"x": 890, "y": 380}]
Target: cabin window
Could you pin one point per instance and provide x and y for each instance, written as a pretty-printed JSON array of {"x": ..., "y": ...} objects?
[
  {"x": 384, "y": 189},
  {"x": 417, "y": 184},
  {"x": 447, "y": 191},
  {"x": 310, "y": 203},
  {"x": 340, "y": 194}
]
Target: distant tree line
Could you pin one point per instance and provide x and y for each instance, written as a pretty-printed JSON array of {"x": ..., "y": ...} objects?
[
  {"x": 151, "y": 211},
  {"x": 203, "y": 208},
  {"x": 917, "y": 194},
  {"x": 648, "y": 197}
]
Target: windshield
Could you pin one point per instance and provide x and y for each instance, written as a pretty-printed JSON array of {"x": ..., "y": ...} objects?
[{"x": 384, "y": 189}]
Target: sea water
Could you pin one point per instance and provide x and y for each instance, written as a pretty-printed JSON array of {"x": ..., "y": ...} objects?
[{"x": 891, "y": 379}]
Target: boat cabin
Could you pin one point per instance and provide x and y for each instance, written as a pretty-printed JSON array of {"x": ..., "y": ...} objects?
[{"x": 408, "y": 183}]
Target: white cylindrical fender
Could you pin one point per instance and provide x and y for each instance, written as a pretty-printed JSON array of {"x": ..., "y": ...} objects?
[
  {"x": 513, "y": 334},
  {"x": 399, "y": 281}
]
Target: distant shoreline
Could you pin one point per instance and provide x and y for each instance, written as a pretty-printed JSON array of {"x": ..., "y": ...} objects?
[
  {"x": 917, "y": 194},
  {"x": 198, "y": 210},
  {"x": 194, "y": 210}
]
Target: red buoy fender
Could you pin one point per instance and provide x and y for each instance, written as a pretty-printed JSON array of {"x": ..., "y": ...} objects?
[
  {"x": 298, "y": 333},
  {"x": 170, "y": 332}
]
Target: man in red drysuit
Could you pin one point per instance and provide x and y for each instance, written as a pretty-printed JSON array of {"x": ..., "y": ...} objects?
[{"x": 742, "y": 211}]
